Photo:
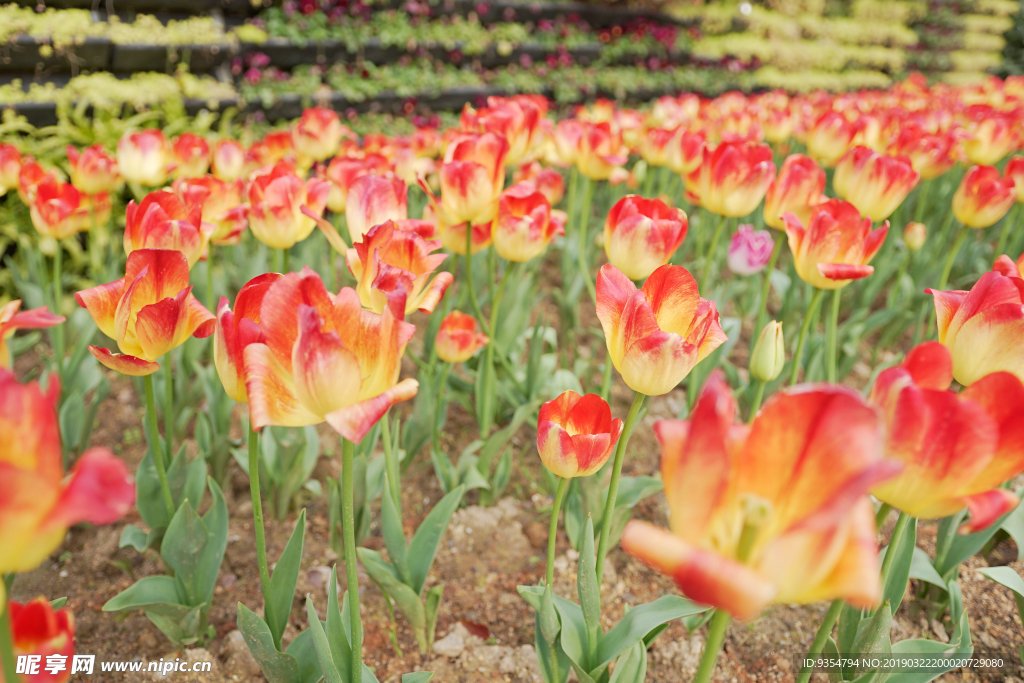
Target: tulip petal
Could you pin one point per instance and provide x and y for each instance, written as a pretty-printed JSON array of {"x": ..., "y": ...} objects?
[
  {"x": 986, "y": 508},
  {"x": 326, "y": 374},
  {"x": 672, "y": 294},
  {"x": 930, "y": 366},
  {"x": 271, "y": 390},
  {"x": 353, "y": 422},
  {"x": 101, "y": 302},
  {"x": 432, "y": 295},
  {"x": 126, "y": 365},
  {"x": 844, "y": 271},
  {"x": 1001, "y": 394},
  {"x": 702, "y": 576},
  {"x": 946, "y": 306},
  {"x": 100, "y": 491}
]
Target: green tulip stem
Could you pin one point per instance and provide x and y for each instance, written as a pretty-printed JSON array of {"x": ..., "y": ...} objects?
[
  {"x": 762, "y": 306},
  {"x": 1004, "y": 235},
  {"x": 169, "y": 408},
  {"x": 756, "y": 404},
  {"x": 709, "y": 261},
  {"x": 833, "y": 337},
  {"x": 818, "y": 644},
  {"x": 563, "y": 485},
  {"x": 948, "y": 267},
  {"x": 716, "y": 636},
  {"x": 7, "y": 658},
  {"x": 613, "y": 485},
  {"x": 391, "y": 463},
  {"x": 158, "y": 456},
  {"x": 257, "y": 520},
  {"x": 348, "y": 531},
  {"x": 58, "y": 304},
  {"x": 583, "y": 233},
  {"x": 812, "y": 308}
]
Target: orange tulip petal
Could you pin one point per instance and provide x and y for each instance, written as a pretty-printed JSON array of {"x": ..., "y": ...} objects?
[
  {"x": 702, "y": 576},
  {"x": 844, "y": 271},
  {"x": 986, "y": 508},
  {"x": 126, "y": 365},
  {"x": 1001, "y": 394},
  {"x": 101, "y": 302},
  {"x": 432, "y": 295},
  {"x": 930, "y": 366},
  {"x": 271, "y": 390},
  {"x": 327, "y": 375},
  {"x": 100, "y": 491},
  {"x": 353, "y": 422}
]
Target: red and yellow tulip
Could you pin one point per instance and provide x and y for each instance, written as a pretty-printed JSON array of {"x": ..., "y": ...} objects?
[
  {"x": 874, "y": 183},
  {"x": 799, "y": 187},
  {"x": 655, "y": 335},
  {"x": 38, "y": 629},
  {"x": 168, "y": 220},
  {"x": 148, "y": 312},
  {"x": 190, "y": 155},
  {"x": 59, "y": 210},
  {"x": 835, "y": 247},
  {"x": 10, "y": 167},
  {"x": 38, "y": 503},
  {"x": 640, "y": 235},
  {"x": 318, "y": 133},
  {"x": 93, "y": 170},
  {"x": 457, "y": 338},
  {"x": 472, "y": 177},
  {"x": 524, "y": 225},
  {"x": 144, "y": 157},
  {"x": 223, "y": 205},
  {"x": 732, "y": 179},
  {"x": 576, "y": 434},
  {"x": 983, "y": 197},
  {"x": 276, "y": 198},
  {"x": 236, "y": 329},
  {"x": 774, "y": 512},
  {"x": 228, "y": 160},
  {"x": 325, "y": 358},
  {"x": 373, "y": 200}
]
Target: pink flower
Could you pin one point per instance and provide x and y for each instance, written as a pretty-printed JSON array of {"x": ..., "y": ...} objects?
[{"x": 750, "y": 250}]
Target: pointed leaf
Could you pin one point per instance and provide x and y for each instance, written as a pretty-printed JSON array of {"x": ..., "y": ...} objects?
[
  {"x": 418, "y": 677},
  {"x": 216, "y": 522},
  {"x": 1009, "y": 578},
  {"x": 283, "y": 580},
  {"x": 899, "y": 571},
  {"x": 642, "y": 620},
  {"x": 424, "y": 544},
  {"x": 586, "y": 583},
  {"x": 432, "y": 606},
  {"x": 874, "y": 636},
  {"x": 182, "y": 549},
  {"x": 133, "y": 536},
  {"x": 549, "y": 626},
  {"x": 323, "y": 648},
  {"x": 145, "y": 593},
  {"x": 1014, "y": 525},
  {"x": 632, "y": 667},
  {"x": 921, "y": 568},
  {"x": 337, "y": 629},
  {"x": 394, "y": 536},
  {"x": 276, "y": 666},
  {"x": 408, "y": 602},
  {"x": 303, "y": 650}
]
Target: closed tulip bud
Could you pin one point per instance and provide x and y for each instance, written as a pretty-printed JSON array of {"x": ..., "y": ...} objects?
[
  {"x": 30, "y": 176},
  {"x": 167, "y": 220},
  {"x": 992, "y": 137},
  {"x": 457, "y": 339},
  {"x": 11, "y": 321},
  {"x": 686, "y": 151},
  {"x": 749, "y": 250},
  {"x": 829, "y": 138},
  {"x": 599, "y": 151},
  {"x": 228, "y": 160},
  {"x": 190, "y": 154},
  {"x": 223, "y": 205},
  {"x": 956, "y": 448},
  {"x": 517, "y": 120},
  {"x": 93, "y": 170},
  {"x": 373, "y": 200},
  {"x": 148, "y": 312},
  {"x": 799, "y": 187},
  {"x": 640, "y": 235},
  {"x": 38, "y": 629},
  {"x": 274, "y": 147},
  {"x": 523, "y": 227},
  {"x": 576, "y": 434},
  {"x": 931, "y": 155},
  {"x": 733, "y": 179},
  {"x": 836, "y": 246},
  {"x": 318, "y": 133},
  {"x": 276, "y": 198},
  {"x": 143, "y": 157},
  {"x": 983, "y": 197},
  {"x": 914, "y": 235},
  {"x": 657, "y": 334},
  {"x": 655, "y": 144},
  {"x": 769, "y": 353},
  {"x": 40, "y": 502},
  {"x": 10, "y": 167},
  {"x": 771, "y": 513}
]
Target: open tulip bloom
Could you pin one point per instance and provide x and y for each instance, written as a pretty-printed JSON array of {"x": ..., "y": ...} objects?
[{"x": 771, "y": 513}]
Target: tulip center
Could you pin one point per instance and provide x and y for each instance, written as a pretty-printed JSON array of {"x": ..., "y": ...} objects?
[{"x": 756, "y": 511}]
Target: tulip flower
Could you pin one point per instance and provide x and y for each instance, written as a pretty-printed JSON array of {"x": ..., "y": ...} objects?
[
  {"x": 457, "y": 338},
  {"x": 516, "y": 120},
  {"x": 1015, "y": 170},
  {"x": 143, "y": 157},
  {"x": 657, "y": 334},
  {"x": 548, "y": 181},
  {"x": 957, "y": 449},
  {"x": 325, "y": 358},
  {"x": 190, "y": 155},
  {"x": 983, "y": 197},
  {"x": 914, "y": 235},
  {"x": 373, "y": 200},
  {"x": 274, "y": 147},
  {"x": 523, "y": 227},
  {"x": 93, "y": 171},
  {"x": 991, "y": 138},
  {"x": 749, "y": 250},
  {"x": 733, "y": 179},
  {"x": 318, "y": 133},
  {"x": 799, "y": 187},
  {"x": 222, "y": 204},
  {"x": 276, "y": 198},
  {"x": 829, "y": 138},
  {"x": 343, "y": 171},
  {"x": 167, "y": 220},
  {"x": 930, "y": 155},
  {"x": 771, "y": 513},
  {"x": 38, "y": 629},
  {"x": 148, "y": 312},
  {"x": 599, "y": 151},
  {"x": 983, "y": 328},
  {"x": 236, "y": 329},
  {"x": 392, "y": 256},
  {"x": 11, "y": 321},
  {"x": 835, "y": 247},
  {"x": 228, "y": 160},
  {"x": 426, "y": 142},
  {"x": 472, "y": 177},
  {"x": 38, "y": 503},
  {"x": 640, "y": 235},
  {"x": 58, "y": 210},
  {"x": 576, "y": 434},
  {"x": 874, "y": 183},
  {"x": 10, "y": 167},
  {"x": 686, "y": 152},
  {"x": 30, "y": 176},
  {"x": 655, "y": 144}
]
